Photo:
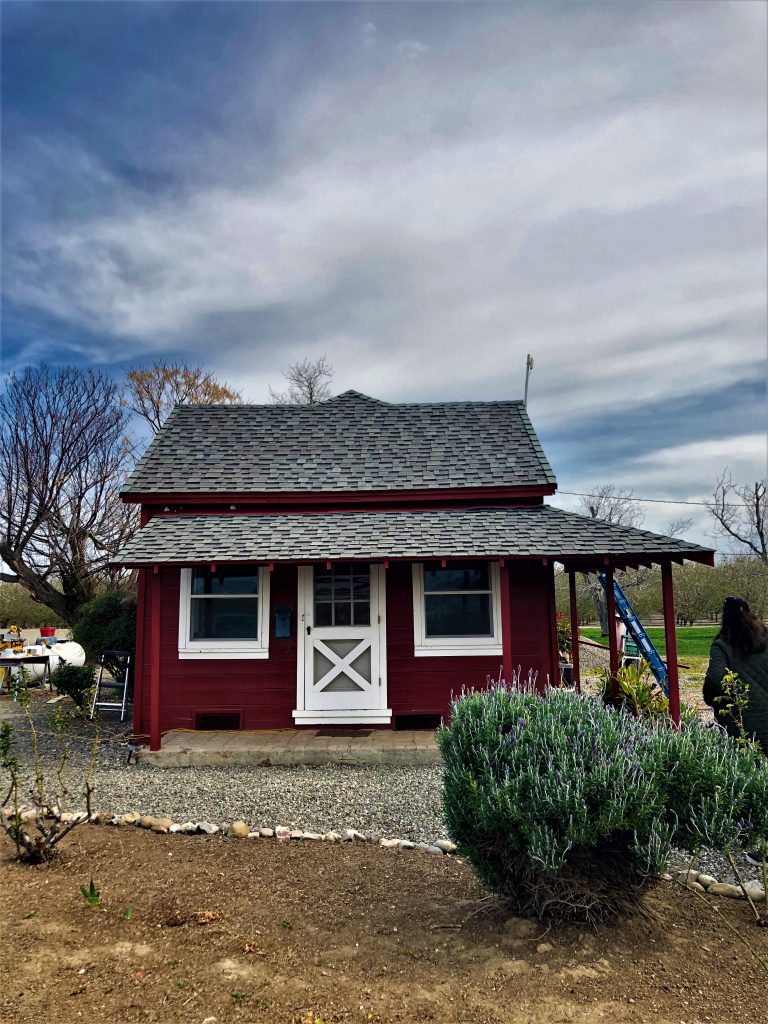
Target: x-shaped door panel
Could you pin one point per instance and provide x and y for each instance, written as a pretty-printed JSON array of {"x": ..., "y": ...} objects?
[{"x": 342, "y": 663}]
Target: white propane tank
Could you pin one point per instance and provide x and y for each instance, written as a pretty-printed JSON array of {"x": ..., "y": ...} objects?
[{"x": 66, "y": 652}]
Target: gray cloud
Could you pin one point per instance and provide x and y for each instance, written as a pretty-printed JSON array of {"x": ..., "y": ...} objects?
[{"x": 586, "y": 182}]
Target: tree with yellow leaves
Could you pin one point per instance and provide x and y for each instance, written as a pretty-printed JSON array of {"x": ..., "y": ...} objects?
[{"x": 152, "y": 393}]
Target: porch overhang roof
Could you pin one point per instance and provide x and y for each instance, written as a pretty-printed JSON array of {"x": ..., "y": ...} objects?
[{"x": 541, "y": 532}]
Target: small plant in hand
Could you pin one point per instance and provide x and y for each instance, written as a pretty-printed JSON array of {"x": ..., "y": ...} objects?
[
  {"x": 569, "y": 809},
  {"x": 91, "y": 894},
  {"x": 37, "y": 830}
]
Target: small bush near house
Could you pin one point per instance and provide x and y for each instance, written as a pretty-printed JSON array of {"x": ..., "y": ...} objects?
[
  {"x": 36, "y": 831},
  {"x": 568, "y": 808},
  {"x": 564, "y": 638},
  {"x": 107, "y": 623},
  {"x": 76, "y": 681},
  {"x": 634, "y": 689}
]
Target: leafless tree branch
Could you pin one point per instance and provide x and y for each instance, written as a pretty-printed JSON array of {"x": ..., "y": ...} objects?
[
  {"x": 63, "y": 455},
  {"x": 744, "y": 521},
  {"x": 308, "y": 383}
]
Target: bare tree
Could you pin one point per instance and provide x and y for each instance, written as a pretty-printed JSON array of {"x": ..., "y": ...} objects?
[
  {"x": 741, "y": 513},
  {"x": 63, "y": 454},
  {"x": 612, "y": 505},
  {"x": 309, "y": 382},
  {"x": 677, "y": 527},
  {"x": 152, "y": 393}
]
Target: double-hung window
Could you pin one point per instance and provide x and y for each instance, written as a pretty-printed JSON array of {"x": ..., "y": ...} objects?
[
  {"x": 456, "y": 608},
  {"x": 224, "y": 612}
]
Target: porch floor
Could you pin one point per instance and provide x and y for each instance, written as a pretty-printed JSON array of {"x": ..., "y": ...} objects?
[{"x": 242, "y": 747}]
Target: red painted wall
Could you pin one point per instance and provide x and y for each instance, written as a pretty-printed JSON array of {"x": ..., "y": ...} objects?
[{"x": 264, "y": 691}]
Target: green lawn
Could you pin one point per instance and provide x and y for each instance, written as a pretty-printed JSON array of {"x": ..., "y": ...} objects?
[{"x": 692, "y": 641}]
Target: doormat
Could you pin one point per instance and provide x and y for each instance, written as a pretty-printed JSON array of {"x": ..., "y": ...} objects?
[{"x": 345, "y": 733}]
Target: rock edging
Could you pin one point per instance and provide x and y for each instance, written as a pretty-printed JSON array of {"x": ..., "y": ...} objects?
[
  {"x": 701, "y": 882},
  {"x": 280, "y": 833}
]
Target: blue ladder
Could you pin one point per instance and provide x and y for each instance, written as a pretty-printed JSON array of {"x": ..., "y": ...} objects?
[{"x": 638, "y": 634}]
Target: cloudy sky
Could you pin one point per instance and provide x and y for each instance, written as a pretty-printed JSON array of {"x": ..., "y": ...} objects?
[{"x": 422, "y": 192}]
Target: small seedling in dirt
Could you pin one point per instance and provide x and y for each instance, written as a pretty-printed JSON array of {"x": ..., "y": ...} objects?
[
  {"x": 240, "y": 997},
  {"x": 28, "y": 917},
  {"x": 287, "y": 924},
  {"x": 182, "y": 984},
  {"x": 128, "y": 912},
  {"x": 91, "y": 895}
]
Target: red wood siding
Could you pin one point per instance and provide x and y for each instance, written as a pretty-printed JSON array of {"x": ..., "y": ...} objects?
[
  {"x": 264, "y": 691},
  {"x": 532, "y": 607},
  {"x": 424, "y": 685}
]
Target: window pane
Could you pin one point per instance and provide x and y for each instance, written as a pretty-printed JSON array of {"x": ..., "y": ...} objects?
[
  {"x": 458, "y": 615},
  {"x": 232, "y": 579},
  {"x": 323, "y": 613},
  {"x": 362, "y": 613},
  {"x": 342, "y": 613},
  {"x": 361, "y": 587},
  {"x": 456, "y": 576},
  {"x": 342, "y": 588},
  {"x": 236, "y": 619},
  {"x": 323, "y": 588}
]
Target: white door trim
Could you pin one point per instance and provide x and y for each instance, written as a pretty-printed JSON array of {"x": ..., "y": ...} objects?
[{"x": 382, "y": 715}]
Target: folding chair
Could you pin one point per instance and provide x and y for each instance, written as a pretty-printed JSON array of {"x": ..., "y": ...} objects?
[{"x": 117, "y": 663}]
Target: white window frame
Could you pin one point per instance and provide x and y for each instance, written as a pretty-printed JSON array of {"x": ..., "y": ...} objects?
[
  {"x": 455, "y": 646},
  {"x": 229, "y": 650}
]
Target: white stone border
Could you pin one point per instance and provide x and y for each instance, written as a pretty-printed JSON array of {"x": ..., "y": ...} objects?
[{"x": 242, "y": 830}]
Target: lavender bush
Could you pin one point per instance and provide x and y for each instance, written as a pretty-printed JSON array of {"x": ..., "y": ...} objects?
[{"x": 569, "y": 808}]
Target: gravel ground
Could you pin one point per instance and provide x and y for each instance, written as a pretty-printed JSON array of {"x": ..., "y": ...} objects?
[{"x": 388, "y": 800}]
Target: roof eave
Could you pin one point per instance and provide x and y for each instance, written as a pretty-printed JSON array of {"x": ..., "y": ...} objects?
[
  {"x": 345, "y": 497},
  {"x": 571, "y": 562}
]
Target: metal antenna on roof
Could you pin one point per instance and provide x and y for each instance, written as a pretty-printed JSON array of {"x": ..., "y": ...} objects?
[{"x": 528, "y": 368}]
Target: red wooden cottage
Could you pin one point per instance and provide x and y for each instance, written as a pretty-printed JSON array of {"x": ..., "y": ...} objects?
[{"x": 353, "y": 562}]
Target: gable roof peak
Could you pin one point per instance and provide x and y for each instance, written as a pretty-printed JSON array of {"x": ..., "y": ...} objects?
[{"x": 352, "y": 396}]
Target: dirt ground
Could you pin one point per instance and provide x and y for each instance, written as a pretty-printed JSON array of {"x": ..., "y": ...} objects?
[{"x": 273, "y": 932}]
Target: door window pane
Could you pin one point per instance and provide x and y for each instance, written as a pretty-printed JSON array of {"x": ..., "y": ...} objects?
[
  {"x": 342, "y": 613},
  {"x": 342, "y": 595},
  {"x": 362, "y": 613},
  {"x": 323, "y": 613}
]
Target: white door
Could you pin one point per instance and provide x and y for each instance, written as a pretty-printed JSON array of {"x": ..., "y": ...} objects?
[{"x": 340, "y": 615}]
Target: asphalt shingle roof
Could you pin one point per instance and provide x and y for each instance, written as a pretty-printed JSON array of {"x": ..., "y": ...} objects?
[
  {"x": 349, "y": 443},
  {"x": 539, "y": 531}
]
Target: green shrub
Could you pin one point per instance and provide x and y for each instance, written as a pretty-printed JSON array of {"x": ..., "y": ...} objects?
[
  {"x": 634, "y": 689},
  {"x": 564, "y": 637},
  {"x": 108, "y": 623},
  {"x": 568, "y": 808},
  {"x": 76, "y": 681}
]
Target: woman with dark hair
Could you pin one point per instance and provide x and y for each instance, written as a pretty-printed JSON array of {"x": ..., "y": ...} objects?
[{"x": 741, "y": 646}]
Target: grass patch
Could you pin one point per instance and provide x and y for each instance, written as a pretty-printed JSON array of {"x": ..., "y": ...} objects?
[{"x": 692, "y": 641}]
